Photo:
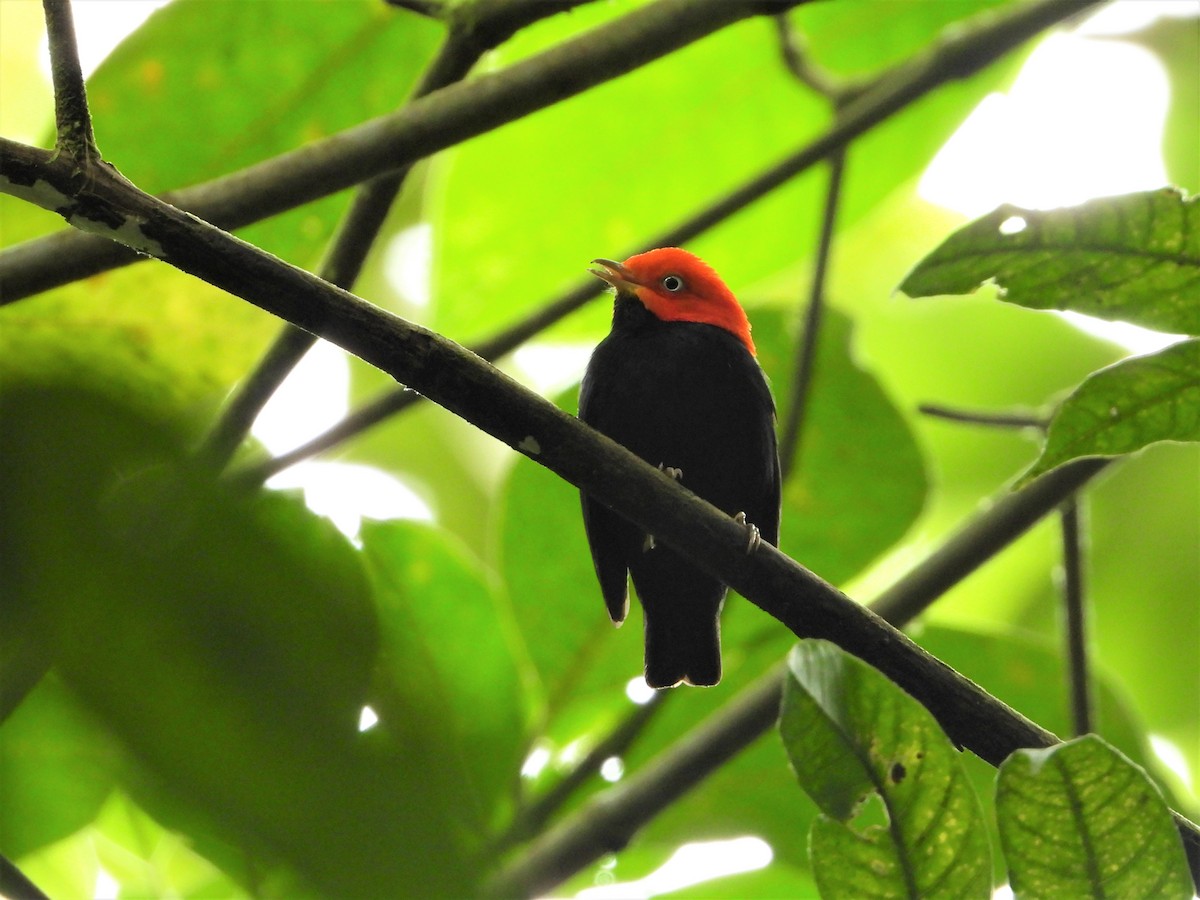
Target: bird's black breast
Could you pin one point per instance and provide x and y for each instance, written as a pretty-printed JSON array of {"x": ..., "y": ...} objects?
[{"x": 690, "y": 396}]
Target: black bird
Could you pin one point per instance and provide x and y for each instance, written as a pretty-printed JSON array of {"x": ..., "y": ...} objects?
[{"x": 677, "y": 382}]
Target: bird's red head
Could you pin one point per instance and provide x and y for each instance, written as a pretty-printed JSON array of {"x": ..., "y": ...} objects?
[{"x": 677, "y": 286}]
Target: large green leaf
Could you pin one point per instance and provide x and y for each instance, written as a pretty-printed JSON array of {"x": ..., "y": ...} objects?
[
  {"x": 451, "y": 678},
  {"x": 1128, "y": 406},
  {"x": 226, "y": 641},
  {"x": 1081, "y": 820},
  {"x": 852, "y": 736},
  {"x": 56, "y": 768},
  {"x": 638, "y": 154},
  {"x": 859, "y": 482},
  {"x": 1135, "y": 258}
]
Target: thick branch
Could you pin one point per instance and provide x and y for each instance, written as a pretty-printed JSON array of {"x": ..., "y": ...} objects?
[{"x": 441, "y": 120}]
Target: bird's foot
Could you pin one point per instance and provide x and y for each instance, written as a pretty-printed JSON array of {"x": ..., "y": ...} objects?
[
  {"x": 648, "y": 543},
  {"x": 677, "y": 474},
  {"x": 753, "y": 537}
]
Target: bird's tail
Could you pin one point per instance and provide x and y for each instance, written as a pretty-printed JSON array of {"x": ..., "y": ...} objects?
[{"x": 683, "y": 643}]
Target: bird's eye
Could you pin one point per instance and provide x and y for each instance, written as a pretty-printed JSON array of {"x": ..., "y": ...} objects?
[{"x": 672, "y": 283}]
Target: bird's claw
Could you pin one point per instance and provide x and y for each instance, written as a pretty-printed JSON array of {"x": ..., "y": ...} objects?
[
  {"x": 674, "y": 473},
  {"x": 648, "y": 543},
  {"x": 753, "y": 536}
]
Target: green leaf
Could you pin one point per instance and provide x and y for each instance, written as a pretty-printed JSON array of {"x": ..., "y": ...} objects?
[
  {"x": 859, "y": 482},
  {"x": 56, "y": 768},
  {"x": 1134, "y": 258},
  {"x": 227, "y": 641},
  {"x": 1029, "y": 673},
  {"x": 1126, "y": 407},
  {"x": 450, "y": 660},
  {"x": 853, "y": 736},
  {"x": 1081, "y": 820}
]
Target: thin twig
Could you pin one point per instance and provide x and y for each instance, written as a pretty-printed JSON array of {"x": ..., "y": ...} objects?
[
  {"x": 804, "y": 70},
  {"x": 973, "y": 417},
  {"x": 1074, "y": 601},
  {"x": 71, "y": 114},
  {"x": 433, "y": 9},
  {"x": 617, "y": 742},
  {"x": 800, "y": 64},
  {"x": 327, "y": 166},
  {"x": 792, "y": 426}
]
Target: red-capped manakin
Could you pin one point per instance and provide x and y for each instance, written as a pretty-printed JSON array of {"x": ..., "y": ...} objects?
[{"x": 677, "y": 382}]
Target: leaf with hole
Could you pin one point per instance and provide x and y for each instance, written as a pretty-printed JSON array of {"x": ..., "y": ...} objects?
[
  {"x": 1133, "y": 258},
  {"x": 858, "y": 742}
]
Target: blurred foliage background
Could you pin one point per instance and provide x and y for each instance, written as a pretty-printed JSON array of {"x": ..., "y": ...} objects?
[{"x": 209, "y": 654}]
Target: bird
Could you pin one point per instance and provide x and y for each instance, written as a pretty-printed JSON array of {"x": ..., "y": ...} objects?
[{"x": 677, "y": 382}]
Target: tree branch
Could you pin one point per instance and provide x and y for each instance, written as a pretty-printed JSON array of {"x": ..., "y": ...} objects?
[
  {"x": 71, "y": 115},
  {"x": 971, "y": 417},
  {"x": 438, "y": 121}
]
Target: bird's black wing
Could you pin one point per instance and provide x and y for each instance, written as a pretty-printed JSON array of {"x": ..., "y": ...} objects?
[{"x": 608, "y": 534}]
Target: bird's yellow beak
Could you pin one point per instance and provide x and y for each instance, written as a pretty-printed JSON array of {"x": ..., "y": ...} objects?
[{"x": 615, "y": 274}]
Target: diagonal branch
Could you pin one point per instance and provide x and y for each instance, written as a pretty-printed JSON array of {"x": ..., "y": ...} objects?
[{"x": 465, "y": 110}]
